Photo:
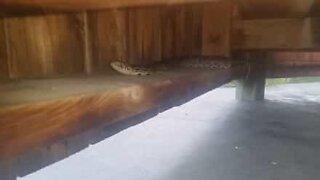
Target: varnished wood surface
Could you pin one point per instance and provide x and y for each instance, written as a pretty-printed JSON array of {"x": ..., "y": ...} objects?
[
  {"x": 86, "y": 42},
  {"x": 277, "y": 34},
  {"x": 216, "y": 27},
  {"x": 249, "y": 9},
  {"x": 259, "y": 9},
  {"x": 4, "y": 69},
  {"x": 35, "y": 112},
  {"x": 44, "y": 45},
  {"x": 9, "y": 7}
]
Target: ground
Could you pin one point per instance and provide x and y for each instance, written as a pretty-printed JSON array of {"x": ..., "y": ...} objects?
[{"x": 213, "y": 137}]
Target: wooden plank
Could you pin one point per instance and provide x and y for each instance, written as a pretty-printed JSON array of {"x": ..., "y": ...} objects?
[
  {"x": 168, "y": 32},
  {"x": 181, "y": 31},
  {"x": 108, "y": 34},
  {"x": 291, "y": 72},
  {"x": 4, "y": 73},
  {"x": 285, "y": 64},
  {"x": 253, "y": 9},
  {"x": 292, "y": 58},
  {"x": 275, "y": 34},
  {"x": 35, "y": 112},
  {"x": 216, "y": 29},
  {"x": 52, "y": 45},
  {"x": 144, "y": 35},
  {"x": 20, "y": 6}
]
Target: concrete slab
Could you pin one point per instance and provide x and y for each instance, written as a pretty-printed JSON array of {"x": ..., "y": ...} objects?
[{"x": 212, "y": 137}]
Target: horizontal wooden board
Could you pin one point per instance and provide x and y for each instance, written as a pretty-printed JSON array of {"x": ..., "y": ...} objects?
[
  {"x": 291, "y": 58},
  {"x": 11, "y": 7},
  {"x": 277, "y": 34},
  {"x": 287, "y": 72},
  {"x": 257, "y": 9},
  {"x": 35, "y": 112}
]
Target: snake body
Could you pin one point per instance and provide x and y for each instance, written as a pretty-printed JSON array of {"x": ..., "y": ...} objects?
[{"x": 194, "y": 63}]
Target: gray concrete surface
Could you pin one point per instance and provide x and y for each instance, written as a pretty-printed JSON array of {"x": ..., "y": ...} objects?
[{"x": 214, "y": 137}]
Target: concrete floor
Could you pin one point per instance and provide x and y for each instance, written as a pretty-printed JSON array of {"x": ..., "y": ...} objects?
[{"x": 213, "y": 137}]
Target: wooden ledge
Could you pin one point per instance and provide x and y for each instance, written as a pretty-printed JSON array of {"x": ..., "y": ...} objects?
[
  {"x": 44, "y": 6},
  {"x": 37, "y": 112}
]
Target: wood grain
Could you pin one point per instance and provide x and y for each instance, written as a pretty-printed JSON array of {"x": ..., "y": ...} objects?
[
  {"x": 4, "y": 72},
  {"x": 108, "y": 33},
  {"x": 17, "y": 6},
  {"x": 44, "y": 45},
  {"x": 294, "y": 59},
  {"x": 182, "y": 31},
  {"x": 144, "y": 35},
  {"x": 27, "y": 121},
  {"x": 273, "y": 34},
  {"x": 216, "y": 29},
  {"x": 252, "y": 9}
]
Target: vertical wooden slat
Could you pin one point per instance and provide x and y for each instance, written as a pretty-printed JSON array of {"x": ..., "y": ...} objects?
[
  {"x": 216, "y": 29},
  {"x": 44, "y": 45},
  {"x": 4, "y": 73},
  {"x": 182, "y": 31},
  {"x": 193, "y": 28},
  {"x": 315, "y": 31},
  {"x": 87, "y": 44},
  {"x": 167, "y": 33},
  {"x": 108, "y": 37},
  {"x": 144, "y": 36}
]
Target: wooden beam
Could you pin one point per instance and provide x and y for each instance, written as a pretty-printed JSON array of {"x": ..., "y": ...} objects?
[
  {"x": 291, "y": 72},
  {"x": 267, "y": 9},
  {"x": 285, "y": 64},
  {"x": 42, "y": 6},
  {"x": 251, "y": 87},
  {"x": 35, "y": 112},
  {"x": 277, "y": 34}
]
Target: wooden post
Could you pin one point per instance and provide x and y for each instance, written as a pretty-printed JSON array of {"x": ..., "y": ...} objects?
[{"x": 252, "y": 87}]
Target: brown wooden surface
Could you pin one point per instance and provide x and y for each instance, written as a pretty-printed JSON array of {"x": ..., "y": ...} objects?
[
  {"x": 9, "y": 7},
  {"x": 34, "y": 112},
  {"x": 44, "y": 45},
  {"x": 108, "y": 32},
  {"x": 291, "y": 58},
  {"x": 144, "y": 36},
  {"x": 216, "y": 29},
  {"x": 293, "y": 71},
  {"x": 276, "y": 34},
  {"x": 256, "y": 9},
  {"x": 181, "y": 31},
  {"x": 284, "y": 64},
  {"x": 86, "y": 42},
  {"x": 4, "y": 72},
  {"x": 249, "y": 9}
]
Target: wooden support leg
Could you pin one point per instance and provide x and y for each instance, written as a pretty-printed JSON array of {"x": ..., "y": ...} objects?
[{"x": 252, "y": 87}]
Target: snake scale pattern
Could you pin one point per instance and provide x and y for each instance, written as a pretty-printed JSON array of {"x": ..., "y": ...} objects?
[{"x": 194, "y": 63}]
